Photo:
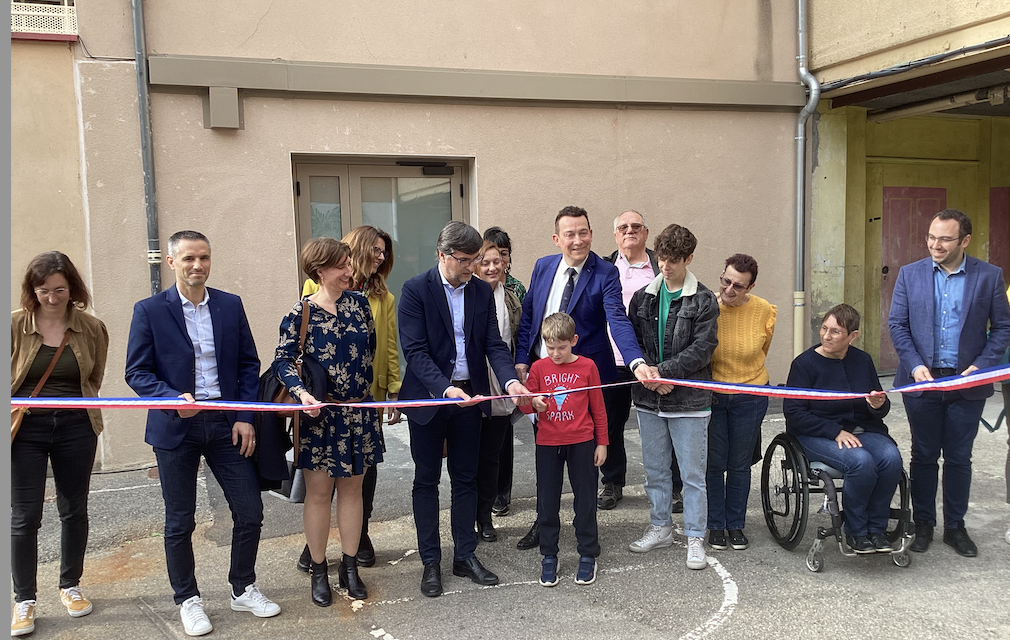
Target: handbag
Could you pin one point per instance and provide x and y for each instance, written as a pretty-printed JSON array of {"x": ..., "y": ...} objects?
[
  {"x": 282, "y": 396},
  {"x": 18, "y": 413}
]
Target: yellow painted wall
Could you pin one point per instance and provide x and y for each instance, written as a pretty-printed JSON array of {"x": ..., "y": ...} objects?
[{"x": 966, "y": 156}]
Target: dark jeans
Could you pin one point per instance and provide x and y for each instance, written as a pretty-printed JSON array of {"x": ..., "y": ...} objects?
[
  {"x": 618, "y": 403},
  {"x": 493, "y": 431},
  {"x": 551, "y": 460},
  {"x": 732, "y": 434},
  {"x": 506, "y": 458},
  {"x": 66, "y": 439},
  {"x": 209, "y": 436},
  {"x": 459, "y": 428},
  {"x": 871, "y": 474},
  {"x": 941, "y": 422}
]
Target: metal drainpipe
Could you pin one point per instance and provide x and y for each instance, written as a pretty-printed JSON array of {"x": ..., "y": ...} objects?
[
  {"x": 146, "y": 146},
  {"x": 813, "y": 96}
]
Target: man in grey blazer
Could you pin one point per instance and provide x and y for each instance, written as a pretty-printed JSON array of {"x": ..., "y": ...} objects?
[{"x": 940, "y": 313}]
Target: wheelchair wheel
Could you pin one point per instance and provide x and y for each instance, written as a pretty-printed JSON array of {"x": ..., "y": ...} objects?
[
  {"x": 899, "y": 523},
  {"x": 784, "y": 491},
  {"x": 901, "y": 559},
  {"x": 815, "y": 559}
]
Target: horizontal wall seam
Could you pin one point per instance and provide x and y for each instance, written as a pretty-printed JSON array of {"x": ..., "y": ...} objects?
[{"x": 425, "y": 82}]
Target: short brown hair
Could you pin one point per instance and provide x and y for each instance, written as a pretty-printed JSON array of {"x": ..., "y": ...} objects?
[
  {"x": 558, "y": 326},
  {"x": 675, "y": 243},
  {"x": 571, "y": 211},
  {"x": 50, "y": 263},
  {"x": 846, "y": 316},
  {"x": 361, "y": 241},
  {"x": 963, "y": 221},
  {"x": 743, "y": 263},
  {"x": 321, "y": 253}
]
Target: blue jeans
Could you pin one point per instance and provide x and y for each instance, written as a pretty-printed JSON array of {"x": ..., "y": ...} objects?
[
  {"x": 65, "y": 439},
  {"x": 871, "y": 475},
  {"x": 732, "y": 433},
  {"x": 689, "y": 438},
  {"x": 941, "y": 421},
  {"x": 209, "y": 435}
]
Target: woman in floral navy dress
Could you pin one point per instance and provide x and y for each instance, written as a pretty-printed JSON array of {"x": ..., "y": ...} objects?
[{"x": 337, "y": 444}]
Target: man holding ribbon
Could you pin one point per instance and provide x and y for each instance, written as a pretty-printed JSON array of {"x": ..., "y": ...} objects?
[
  {"x": 194, "y": 342},
  {"x": 941, "y": 308},
  {"x": 588, "y": 288},
  {"x": 449, "y": 333}
]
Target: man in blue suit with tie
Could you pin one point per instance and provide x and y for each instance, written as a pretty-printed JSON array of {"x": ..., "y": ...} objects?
[
  {"x": 588, "y": 288},
  {"x": 449, "y": 333},
  {"x": 194, "y": 342},
  {"x": 941, "y": 308}
]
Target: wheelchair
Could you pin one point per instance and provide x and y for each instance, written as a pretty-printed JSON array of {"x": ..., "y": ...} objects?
[{"x": 788, "y": 479}]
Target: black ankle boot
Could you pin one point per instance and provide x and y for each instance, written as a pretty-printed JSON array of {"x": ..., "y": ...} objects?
[
  {"x": 349, "y": 578},
  {"x": 322, "y": 595}
]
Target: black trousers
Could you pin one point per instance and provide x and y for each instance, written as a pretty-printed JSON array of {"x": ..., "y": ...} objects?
[
  {"x": 367, "y": 501},
  {"x": 582, "y": 475},
  {"x": 65, "y": 439},
  {"x": 493, "y": 431},
  {"x": 506, "y": 458}
]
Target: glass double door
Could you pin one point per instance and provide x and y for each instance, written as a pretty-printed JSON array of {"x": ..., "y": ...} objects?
[{"x": 401, "y": 200}]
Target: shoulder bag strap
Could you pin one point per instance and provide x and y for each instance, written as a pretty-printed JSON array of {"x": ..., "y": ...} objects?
[
  {"x": 298, "y": 365},
  {"x": 52, "y": 365}
]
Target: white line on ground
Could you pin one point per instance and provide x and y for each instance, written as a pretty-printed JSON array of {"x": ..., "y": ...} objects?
[
  {"x": 729, "y": 600},
  {"x": 136, "y": 486}
]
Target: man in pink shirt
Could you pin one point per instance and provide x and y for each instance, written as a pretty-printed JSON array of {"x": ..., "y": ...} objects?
[{"x": 637, "y": 266}]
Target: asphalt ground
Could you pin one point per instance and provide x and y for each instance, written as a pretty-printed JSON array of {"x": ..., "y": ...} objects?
[{"x": 763, "y": 592}]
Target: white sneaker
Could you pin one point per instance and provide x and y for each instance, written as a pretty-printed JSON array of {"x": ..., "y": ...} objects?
[
  {"x": 194, "y": 619},
  {"x": 656, "y": 537},
  {"x": 254, "y": 601},
  {"x": 696, "y": 553}
]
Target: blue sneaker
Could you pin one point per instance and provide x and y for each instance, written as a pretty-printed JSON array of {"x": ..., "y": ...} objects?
[
  {"x": 587, "y": 570},
  {"x": 549, "y": 571}
]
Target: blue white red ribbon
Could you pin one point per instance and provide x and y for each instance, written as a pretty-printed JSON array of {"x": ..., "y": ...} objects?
[{"x": 953, "y": 383}]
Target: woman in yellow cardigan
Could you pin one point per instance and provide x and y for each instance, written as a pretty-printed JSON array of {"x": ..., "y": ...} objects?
[
  {"x": 746, "y": 325},
  {"x": 371, "y": 262}
]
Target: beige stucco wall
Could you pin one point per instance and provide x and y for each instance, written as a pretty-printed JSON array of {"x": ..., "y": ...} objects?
[
  {"x": 721, "y": 39},
  {"x": 849, "y": 38},
  {"x": 45, "y": 159}
]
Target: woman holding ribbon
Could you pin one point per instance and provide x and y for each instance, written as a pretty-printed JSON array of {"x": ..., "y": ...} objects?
[
  {"x": 746, "y": 326},
  {"x": 495, "y": 430},
  {"x": 57, "y": 350},
  {"x": 336, "y": 445},
  {"x": 371, "y": 264},
  {"x": 849, "y": 435}
]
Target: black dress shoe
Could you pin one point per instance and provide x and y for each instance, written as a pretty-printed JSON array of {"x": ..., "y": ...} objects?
[
  {"x": 923, "y": 536},
  {"x": 366, "y": 552},
  {"x": 531, "y": 539},
  {"x": 473, "y": 569},
  {"x": 349, "y": 578},
  {"x": 304, "y": 560},
  {"x": 322, "y": 595},
  {"x": 487, "y": 532},
  {"x": 959, "y": 540},
  {"x": 431, "y": 580}
]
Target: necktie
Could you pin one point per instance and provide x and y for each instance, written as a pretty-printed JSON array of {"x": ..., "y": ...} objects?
[{"x": 566, "y": 295}]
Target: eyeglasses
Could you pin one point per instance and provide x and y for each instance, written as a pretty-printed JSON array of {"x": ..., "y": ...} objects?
[
  {"x": 736, "y": 286},
  {"x": 58, "y": 292},
  {"x": 834, "y": 333},
  {"x": 624, "y": 228},
  {"x": 463, "y": 262},
  {"x": 943, "y": 239},
  {"x": 379, "y": 252}
]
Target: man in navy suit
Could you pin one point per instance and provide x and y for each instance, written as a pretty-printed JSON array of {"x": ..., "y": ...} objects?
[
  {"x": 194, "y": 342},
  {"x": 588, "y": 288},
  {"x": 940, "y": 311},
  {"x": 449, "y": 332}
]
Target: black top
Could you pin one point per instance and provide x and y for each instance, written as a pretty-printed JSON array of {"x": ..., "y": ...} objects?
[{"x": 63, "y": 382}]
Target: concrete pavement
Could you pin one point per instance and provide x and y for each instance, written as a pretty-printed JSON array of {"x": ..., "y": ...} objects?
[{"x": 762, "y": 592}]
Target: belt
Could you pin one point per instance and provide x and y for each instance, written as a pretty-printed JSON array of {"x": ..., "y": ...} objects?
[
  {"x": 465, "y": 385},
  {"x": 942, "y": 372}
]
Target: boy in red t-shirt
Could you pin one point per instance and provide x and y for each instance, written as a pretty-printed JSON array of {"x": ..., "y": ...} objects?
[{"x": 572, "y": 429}]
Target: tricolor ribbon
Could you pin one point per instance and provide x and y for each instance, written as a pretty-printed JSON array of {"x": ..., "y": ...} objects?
[{"x": 953, "y": 383}]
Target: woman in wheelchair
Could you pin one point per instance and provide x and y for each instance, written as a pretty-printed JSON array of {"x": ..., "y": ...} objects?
[{"x": 849, "y": 435}]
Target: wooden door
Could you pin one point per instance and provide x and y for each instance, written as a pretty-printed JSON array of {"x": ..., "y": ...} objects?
[{"x": 905, "y": 219}]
